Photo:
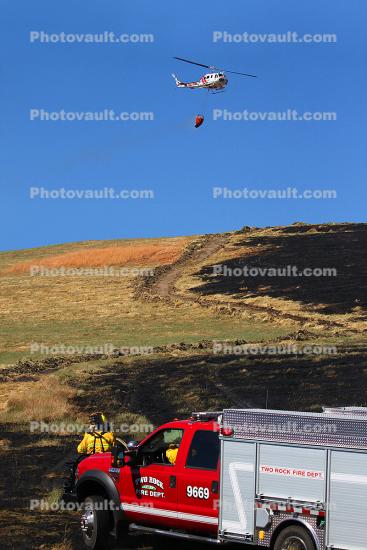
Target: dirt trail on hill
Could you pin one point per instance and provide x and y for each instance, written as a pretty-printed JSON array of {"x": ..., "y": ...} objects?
[{"x": 164, "y": 286}]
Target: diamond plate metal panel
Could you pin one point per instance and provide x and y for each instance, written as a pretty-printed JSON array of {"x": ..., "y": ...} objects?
[
  {"x": 278, "y": 518},
  {"x": 330, "y": 430},
  {"x": 349, "y": 411}
]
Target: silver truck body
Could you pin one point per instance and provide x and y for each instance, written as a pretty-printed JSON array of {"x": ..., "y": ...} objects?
[{"x": 306, "y": 468}]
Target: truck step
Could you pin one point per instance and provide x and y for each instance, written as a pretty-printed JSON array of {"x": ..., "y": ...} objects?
[{"x": 174, "y": 534}]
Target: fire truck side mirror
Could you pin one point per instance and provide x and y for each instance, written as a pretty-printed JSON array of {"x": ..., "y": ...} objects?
[
  {"x": 130, "y": 459},
  {"x": 118, "y": 456}
]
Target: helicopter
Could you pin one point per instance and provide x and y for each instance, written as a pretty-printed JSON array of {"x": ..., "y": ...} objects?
[{"x": 214, "y": 81}]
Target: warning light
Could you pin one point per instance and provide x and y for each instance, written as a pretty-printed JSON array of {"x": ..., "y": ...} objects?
[
  {"x": 227, "y": 432},
  {"x": 261, "y": 535}
]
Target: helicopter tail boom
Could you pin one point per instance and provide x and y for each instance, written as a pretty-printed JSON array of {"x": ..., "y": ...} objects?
[{"x": 178, "y": 82}]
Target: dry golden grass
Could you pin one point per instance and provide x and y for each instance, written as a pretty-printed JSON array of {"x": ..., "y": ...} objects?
[
  {"x": 62, "y": 546},
  {"x": 99, "y": 310},
  {"x": 5, "y": 445},
  {"x": 11, "y": 258},
  {"x": 65, "y": 298},
  {"x": 124, "y": 255},
  {"x": 45, "y": 400}
]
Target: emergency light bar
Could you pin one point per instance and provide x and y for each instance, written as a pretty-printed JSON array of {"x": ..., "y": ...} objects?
[{"x": 206, "y": 416}]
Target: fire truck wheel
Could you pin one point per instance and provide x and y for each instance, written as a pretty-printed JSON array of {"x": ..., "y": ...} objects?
[
  {"x": 294, "y": 538},
  {"x": 96, "y": 524}
]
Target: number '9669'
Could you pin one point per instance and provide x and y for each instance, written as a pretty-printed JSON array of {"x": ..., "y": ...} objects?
[{"x": 197, "y": 492}]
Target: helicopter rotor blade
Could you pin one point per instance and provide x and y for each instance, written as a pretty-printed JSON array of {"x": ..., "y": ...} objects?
[
  {"x": 194, "y": 62},
  {"x": 242, "y": 74},
  {"x": 213, "y": 67}
]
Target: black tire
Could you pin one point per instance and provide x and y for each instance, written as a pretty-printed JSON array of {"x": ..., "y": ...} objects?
[
  {"x": 97, "y": 522},
  {"x": 294, "y": 537}
]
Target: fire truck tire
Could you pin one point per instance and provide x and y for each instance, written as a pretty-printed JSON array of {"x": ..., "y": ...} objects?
[
  {"x": 294, "y": 537},
  {"x": 96, "y": 524}
]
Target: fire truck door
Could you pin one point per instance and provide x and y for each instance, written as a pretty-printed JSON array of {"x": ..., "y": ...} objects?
[
  {"x": 149, "y": 489},
  {"x": 198, "y": 483},
  {"x": 238, "y": 487}
]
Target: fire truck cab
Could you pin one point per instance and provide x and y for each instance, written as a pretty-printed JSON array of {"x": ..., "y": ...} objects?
[{"x": 278, "y": 479}]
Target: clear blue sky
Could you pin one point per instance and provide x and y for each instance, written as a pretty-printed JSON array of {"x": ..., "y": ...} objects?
[{"x": 181, "y": 164}]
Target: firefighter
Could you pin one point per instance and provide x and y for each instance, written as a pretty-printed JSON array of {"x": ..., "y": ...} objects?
[
  {"x": 98, "y": 438},
  {"x": 171, "y": 453}
]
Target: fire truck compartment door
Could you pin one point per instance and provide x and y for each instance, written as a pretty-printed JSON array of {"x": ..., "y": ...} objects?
[
  {"x": 347, "y": 498},
  {"x": 287, "y": 471},
  {"x": 238, "y": 488}
]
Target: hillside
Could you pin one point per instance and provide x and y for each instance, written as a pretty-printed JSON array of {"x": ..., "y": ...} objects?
[
  {"x": 149, "y": 346},
  {"x": 311, "y": 275},
  {"x": 41, "y": 307}
]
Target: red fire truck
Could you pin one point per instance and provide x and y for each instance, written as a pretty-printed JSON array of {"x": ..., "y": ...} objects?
[{"x": 277, "y": 479}]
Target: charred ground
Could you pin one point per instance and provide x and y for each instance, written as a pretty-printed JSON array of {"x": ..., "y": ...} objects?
[{"x": 339, "y": 248}]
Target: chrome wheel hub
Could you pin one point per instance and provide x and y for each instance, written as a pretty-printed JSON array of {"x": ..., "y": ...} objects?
[
  {"x": 87, "y": 523},
  {"x": 293, "y": 543}
]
